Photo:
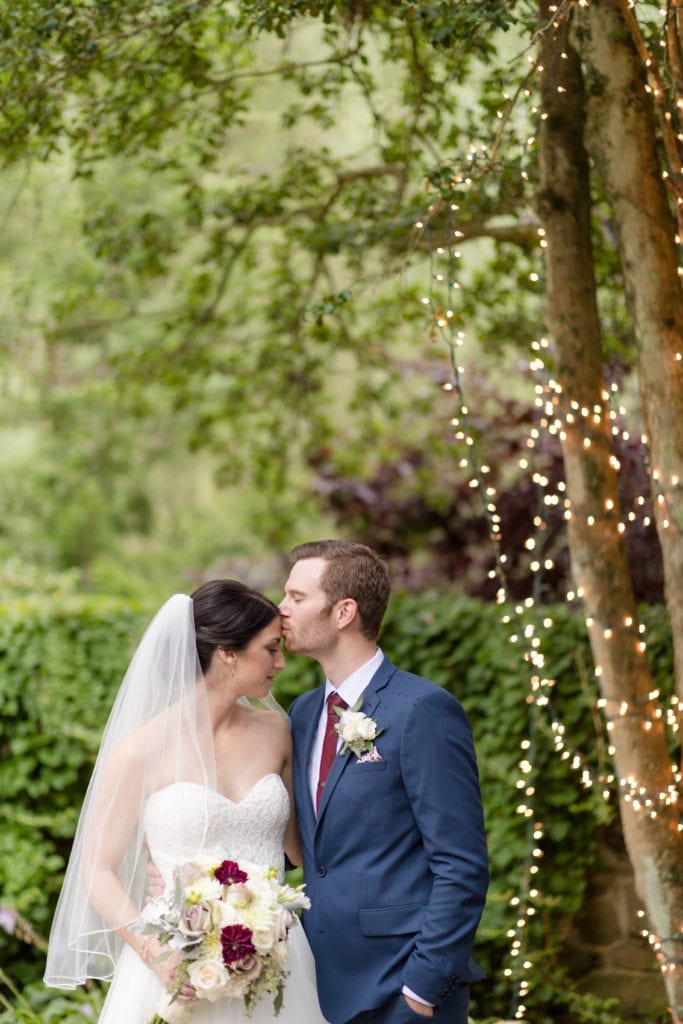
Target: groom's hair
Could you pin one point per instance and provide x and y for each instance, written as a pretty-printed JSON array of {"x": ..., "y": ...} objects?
[{"x": 355, "y": 571}]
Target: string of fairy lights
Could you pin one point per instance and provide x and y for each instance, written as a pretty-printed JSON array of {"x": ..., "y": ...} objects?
[
  {"x": 557, "y": 414},
  {"x": 525, "y": 634},
  {"x": 523, "y": 903}
]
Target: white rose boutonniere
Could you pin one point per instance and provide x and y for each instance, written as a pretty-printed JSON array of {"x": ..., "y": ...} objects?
[{"x": 358, "y": 732}]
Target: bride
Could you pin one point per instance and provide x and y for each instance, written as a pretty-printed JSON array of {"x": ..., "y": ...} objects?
[{"x": 191, "y": 765}]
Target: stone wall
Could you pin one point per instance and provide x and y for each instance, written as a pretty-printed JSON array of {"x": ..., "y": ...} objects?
[{"x": 607, "y": 955}]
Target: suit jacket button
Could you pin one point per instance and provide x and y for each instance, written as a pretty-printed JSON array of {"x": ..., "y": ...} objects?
[{"x": 321, "y": 871}]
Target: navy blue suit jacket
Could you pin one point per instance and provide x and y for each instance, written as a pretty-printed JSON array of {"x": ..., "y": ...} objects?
[{"x": 395, "y": 863}]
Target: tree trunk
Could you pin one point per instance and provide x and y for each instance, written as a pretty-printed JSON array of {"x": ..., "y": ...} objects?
[
  {"x": 622, "y": 141},
  {"x": 596, "y": 543}
]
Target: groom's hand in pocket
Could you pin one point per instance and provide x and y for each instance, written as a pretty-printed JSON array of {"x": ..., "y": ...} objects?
[
  {"x": 424, "y": 1011},
  {"x": 155, "y": 882}
]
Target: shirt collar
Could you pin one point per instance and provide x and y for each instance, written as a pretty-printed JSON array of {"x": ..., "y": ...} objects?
[{"x": 354, "y": 685}]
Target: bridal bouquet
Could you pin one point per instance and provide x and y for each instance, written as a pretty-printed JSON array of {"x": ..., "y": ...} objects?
[{"x": 230, "y": 922}]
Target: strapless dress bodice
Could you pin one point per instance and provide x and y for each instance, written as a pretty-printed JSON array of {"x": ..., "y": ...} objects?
[{"x": 185, "y": 820}]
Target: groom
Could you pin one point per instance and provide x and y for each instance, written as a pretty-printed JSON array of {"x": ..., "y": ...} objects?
[{"x": 393, "y": 834}]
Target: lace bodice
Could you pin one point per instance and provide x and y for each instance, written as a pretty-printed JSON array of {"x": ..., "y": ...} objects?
[{"x": 186, "y": 820}]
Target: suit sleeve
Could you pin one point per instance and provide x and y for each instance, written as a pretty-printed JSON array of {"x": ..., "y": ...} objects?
[{"x": 440, "y": 776}]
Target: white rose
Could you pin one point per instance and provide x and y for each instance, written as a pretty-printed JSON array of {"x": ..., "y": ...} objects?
[
  {"x": 238, "y": 895},
  {"x": 367, "y": 730},
  {"x": 264, "y": 938},
  {"x": 349, "y": 725},
  {"x": 209, "y": 978}
]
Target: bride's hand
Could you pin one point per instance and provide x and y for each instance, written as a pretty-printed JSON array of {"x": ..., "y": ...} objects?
[
  {"x": 165, "y": 969},
  {"x": 155, "y": 881}
]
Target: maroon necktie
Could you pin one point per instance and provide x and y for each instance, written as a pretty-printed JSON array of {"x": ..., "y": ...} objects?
[{"x": 329, "y": 743}]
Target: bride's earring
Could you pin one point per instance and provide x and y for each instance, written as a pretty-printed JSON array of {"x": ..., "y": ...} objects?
[{"x": 229, "y": 658}]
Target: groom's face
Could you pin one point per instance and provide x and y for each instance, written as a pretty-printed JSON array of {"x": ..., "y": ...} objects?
[{"x": 307, "y": 625}]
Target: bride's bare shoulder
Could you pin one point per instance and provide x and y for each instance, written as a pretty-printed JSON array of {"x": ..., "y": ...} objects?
[
  {"x": 273, "y": 724},
  {"x": 271, "y": 719}
]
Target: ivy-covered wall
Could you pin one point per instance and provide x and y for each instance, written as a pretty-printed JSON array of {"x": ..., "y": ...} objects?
[{"x": 62, "y": 657}]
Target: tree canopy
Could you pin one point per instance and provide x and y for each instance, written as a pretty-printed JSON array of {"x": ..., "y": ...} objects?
[{"x": 248, "y": 179}]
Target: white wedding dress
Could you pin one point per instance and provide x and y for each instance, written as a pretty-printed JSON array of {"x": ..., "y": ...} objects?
[{"x": 175, "y": 820}]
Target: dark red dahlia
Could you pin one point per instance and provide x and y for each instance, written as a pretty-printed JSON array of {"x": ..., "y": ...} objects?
[
  {"x": 236, "y": 943},
  {"x": 229, "y": 873}
]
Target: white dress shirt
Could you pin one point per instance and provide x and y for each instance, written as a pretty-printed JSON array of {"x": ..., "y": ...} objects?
[{"x": 351, "y": 689}]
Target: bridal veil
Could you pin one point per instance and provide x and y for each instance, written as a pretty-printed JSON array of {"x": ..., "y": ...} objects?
[{"x": 158, "y": 734}]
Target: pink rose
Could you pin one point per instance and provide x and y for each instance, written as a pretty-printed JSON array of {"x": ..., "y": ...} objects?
[
  {"x": 195, "y": 920},
  {"x": 248, "y": 967}
]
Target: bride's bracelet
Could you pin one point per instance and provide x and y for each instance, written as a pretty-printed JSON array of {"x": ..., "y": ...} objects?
[{"x": 145, "y": 949}]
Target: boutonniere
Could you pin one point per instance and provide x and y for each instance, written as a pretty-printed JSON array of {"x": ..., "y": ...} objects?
[{"x": 358, "y": 732}]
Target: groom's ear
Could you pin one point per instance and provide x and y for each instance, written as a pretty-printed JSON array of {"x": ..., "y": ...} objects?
[{"x": 346, "y": 612}]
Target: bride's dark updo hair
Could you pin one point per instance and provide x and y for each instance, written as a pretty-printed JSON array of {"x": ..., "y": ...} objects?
[{"x": 228, "y": 614}]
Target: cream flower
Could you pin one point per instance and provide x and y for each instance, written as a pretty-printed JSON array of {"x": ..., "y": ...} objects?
[
  {"x": 293, "y": 899},
  {"x": 279, "y": 953},
  {"x": 358, "y": 732},
  {"x": 209, "y": 978},
  {"x": 202, "y": 890},
  {"x": 236, "y": 985},
  {"x": 351, "y": 722},
  {"x": 224, "y": 914},
  {"x": 367, "y": 730},
  {"x": 265, "y": 937},
  {"x": 231, "y": 933}
]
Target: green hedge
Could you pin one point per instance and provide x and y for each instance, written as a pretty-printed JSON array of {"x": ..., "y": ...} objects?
[
  {"x": 61, "y": 660},
  {"x": 62, "y": 657}
]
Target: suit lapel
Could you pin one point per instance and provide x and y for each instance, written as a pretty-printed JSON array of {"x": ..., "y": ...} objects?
[{"x": 371, "y": 700}]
